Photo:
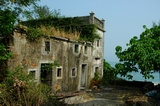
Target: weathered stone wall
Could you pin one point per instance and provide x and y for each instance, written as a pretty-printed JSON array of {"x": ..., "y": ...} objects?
[
  {"x": 98, "y": 52},
  {"x": 81, "y": 58},
  {"x": 30, "y": 56}
]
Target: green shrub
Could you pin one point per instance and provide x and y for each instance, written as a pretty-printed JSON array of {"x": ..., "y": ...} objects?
[
  {"x": 109, "y": 73},
  {"x": 34, "y": 33},
  {"x": 19, "y": 89},
  {"x": 96, "y": 80}
]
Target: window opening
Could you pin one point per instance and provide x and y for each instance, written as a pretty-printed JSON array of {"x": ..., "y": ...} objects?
[
  {"x": 98, "y": 43},
  {"x": 47, "y": 46},
  {"x": 32, "y": 73},
  {"x": 59, "y": 72},
  {"x": 73, "y": 72},
  {"x": 76, "y": 48},
  {"x": 96, "y": 69},
  {"x": 85, "y": 49}
]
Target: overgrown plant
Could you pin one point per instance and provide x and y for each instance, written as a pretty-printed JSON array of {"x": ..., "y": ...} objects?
[
  {"x": 7, "y": 21},
  {"x": 4, "y": 56},
  {"x": 109, "y": 73},
  {"x": 34, "y": 34},
  {"x": 50, "y": 65},
  {"x": 19, "y": 89},
  {"x": 52, "y": 31},
  {"x": 69, "y": 24},
  {"x": 96, "y": 80}
]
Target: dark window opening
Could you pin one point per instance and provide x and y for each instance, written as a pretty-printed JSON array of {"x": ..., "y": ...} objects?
[
  {"x": 96, "y": 70},
  {"x": 85, "y": 49},
  {"x": 73, "y": 72},
  {"x": 98, "y": 43},
  {"x": 47, "y": 46},
  {"x": 59, "y": 72},
  {"x": 97, "y": 58},
  {"x": 76, "y": 48}
]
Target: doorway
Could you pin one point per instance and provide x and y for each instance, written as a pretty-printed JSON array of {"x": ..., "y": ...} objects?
[
  {"x": 46, "y": 74},
  {"x": 83, "y": 75}
]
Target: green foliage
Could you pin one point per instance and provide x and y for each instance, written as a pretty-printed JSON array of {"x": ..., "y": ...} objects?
[
  {"x": 96, "y": 80},
  {"x": 41, "y": 12},
  {"x": 109, "y": 73},
  {"x": 88, "y": 32},
  {"x": 33, "y": 34},
  {"x": 20, "y": 89},
  {"x": 49, "y": 66},
  {"x": 4, "y": 54},
  {"x": 6, "y": 3},
  {"x": 142, "y": 53},
  {"x": 17, "y": 6},
  {"x": 7, "y": 20}
]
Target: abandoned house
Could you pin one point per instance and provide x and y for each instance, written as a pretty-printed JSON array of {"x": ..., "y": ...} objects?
[{"x": 77, "y": 60}]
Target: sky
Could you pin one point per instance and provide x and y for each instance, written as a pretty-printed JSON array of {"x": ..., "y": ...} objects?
[{"x": 124, "y": 19}]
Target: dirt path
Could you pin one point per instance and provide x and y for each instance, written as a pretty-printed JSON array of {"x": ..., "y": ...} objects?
[{"x": 110, "y": 96}]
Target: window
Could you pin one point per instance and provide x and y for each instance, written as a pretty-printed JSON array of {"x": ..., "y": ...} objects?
[
  {"x": 32, "y": 73},
  {"x": 85, "y": 49},
  {"x": 73, "y": 72},
  {"x": 97, "y": 61},
  {"x": 96, "y": 69},
  {"x": 47, "y": 46},
  {"x": 59, "y": 72},
  {"x": 76, "y": 48},
  {"x": 98, "y": 43}
]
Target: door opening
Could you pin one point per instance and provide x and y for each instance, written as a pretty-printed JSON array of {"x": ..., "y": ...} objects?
[
  {"x": 83, "y": 75},
  {"x": 46, "y": 74}
]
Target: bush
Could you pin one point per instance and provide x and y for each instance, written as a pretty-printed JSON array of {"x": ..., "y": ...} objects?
[
  {"x": 97, "y": 80},
  {"x": 19, "y": 89},
  {"x": 109, "y": 73}
]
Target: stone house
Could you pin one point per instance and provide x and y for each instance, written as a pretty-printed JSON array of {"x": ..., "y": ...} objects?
[{"x": 78, "y": 61}]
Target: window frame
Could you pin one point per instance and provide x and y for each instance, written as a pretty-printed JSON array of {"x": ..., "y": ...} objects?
[
  {"x": 57, "y": 69},
  {"x": 85, "y": 49},
  {"x": 75, "y": 69},
  {"x": 47, "y": 43},
  {"x": 31, "y": 70},
  {"x": 76, "y": 48},
  {"x": 98, "y": 43}
]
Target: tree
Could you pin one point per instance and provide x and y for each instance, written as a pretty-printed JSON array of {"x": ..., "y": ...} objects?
[
  {"x": 25, "y": 3},
  {"x": 9, "y": 11},
  {"x": 16, "y": 6},
  {"x": 142, "y": 54},
  {"x": 7, "y": 20},
  {"x": 41, "y": 12}
]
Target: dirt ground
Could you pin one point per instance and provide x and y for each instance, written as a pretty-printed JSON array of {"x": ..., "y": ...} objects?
[{"x": 112, "y": 96}]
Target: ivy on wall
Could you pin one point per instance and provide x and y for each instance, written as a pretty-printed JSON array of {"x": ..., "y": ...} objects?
[{"x": 87, "y": 31}]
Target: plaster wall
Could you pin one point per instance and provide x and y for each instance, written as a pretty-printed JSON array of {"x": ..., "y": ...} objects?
[{"x": 30, "y": 56}]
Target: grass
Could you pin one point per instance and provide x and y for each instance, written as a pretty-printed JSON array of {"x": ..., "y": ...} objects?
[{"x": 51, "y": 31}]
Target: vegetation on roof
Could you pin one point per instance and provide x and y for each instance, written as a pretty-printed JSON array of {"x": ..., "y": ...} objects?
[
  {"x": 34, "y": 33},
  {"x": 70, "y": 25}
]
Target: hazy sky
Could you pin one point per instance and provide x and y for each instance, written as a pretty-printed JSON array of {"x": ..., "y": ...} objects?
[{"x": 123, "y": 18}]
